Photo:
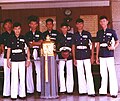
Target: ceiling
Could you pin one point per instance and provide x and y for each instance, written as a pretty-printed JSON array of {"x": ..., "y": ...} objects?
[{"x": 27, "y": 4}]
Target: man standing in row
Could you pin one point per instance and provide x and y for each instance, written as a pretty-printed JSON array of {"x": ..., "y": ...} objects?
[
  {"x": 105, "y": 52},
  {"x": 34, "y": 39},
  {"x": 16, "y": 49},
  {"x": 81, "y": 56},
  {"x": 4, "y": 38},
  {"x": 65, "y": 48}
]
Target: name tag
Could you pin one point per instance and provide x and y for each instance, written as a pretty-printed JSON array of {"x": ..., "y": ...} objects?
[
  {"x": 109, "y": 34},
  {"x": 53, "y": 34},
  {"x": 69, "y": 38},
  {"x": 36, "y": 35},
  {"x": 85, "y": 36},
  {"x": 17, "y": 51},
  {"x": 22, "y": 40},
  {"x": 81, "y": 47}
]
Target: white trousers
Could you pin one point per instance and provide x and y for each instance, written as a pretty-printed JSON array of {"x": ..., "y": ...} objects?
[
  {"x": 29, "y": 77},
  {"x": 2, "y": 59},
  {"x": 85, "y": 85},
  {"x": 107, "y": 66},
  {"x": 18, "y": 79},
  {"x": 69, "y": 76},
  {"x": 6, "y": 86}
]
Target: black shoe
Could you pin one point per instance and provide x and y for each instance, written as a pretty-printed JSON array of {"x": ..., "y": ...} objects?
[
  {"x": 102, "y": 94},
  {"x": 13, "y": 98},
  {"x": 22, "y": 98},
  {"x": 6, "y": 96},
  {"x": 62, "y": 93},
  {"x": 38, "y": 93},
  {"x": 114, "y": 96},
  {"x": 70, "y": 93},
  {"x": 30, "y": 94},
  {"x": 91, "y": 95},
  {"x": 83, "y": 94}
]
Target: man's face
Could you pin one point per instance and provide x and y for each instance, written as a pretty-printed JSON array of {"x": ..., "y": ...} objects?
[
  {"x": 103, "y": 23},
  {"x": 33, "y": 25},
  {"x": 17, "y": 30},
  {"x": 49, "y": 25},
  {"x": 80, "y": 25},
  {"x": 64, "y": 29},
  {"x": 8, "y": 26}
]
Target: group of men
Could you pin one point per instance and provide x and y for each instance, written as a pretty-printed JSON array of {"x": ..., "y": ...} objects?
[{"x": 20, "y": 52}]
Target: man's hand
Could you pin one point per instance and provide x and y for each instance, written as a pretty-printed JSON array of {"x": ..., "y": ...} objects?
[
  {"x": 75, "y": 63},
  {"x": 8, "y": 64},
  {"x": 97, "y": 61},
  {"x": 27, "y": 63},
  {"x": 111, "y": 48},
  {"x": 31, "y": 44}
]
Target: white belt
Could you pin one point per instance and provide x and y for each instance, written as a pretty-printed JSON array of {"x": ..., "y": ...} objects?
[
  {"x": 17, "y": 51},
  {"x": 103, "y": 45},
  {"x": 81, "y": 47},
  {"x": 65, "y": 48}
]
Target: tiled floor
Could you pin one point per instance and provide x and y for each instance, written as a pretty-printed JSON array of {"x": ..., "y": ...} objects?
[{"x": 74, "y": 97}]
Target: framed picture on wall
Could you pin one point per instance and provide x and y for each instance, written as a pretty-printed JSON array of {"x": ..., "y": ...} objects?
[
  {"x": 42, "y": 23},
  {"x": 90, "y": 23}
]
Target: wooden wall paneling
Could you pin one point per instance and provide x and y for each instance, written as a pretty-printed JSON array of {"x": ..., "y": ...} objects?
[{"x": 22, "y": 15}]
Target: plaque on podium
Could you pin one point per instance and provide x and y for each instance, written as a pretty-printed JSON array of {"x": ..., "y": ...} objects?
[{"x": 49, "y": 83}]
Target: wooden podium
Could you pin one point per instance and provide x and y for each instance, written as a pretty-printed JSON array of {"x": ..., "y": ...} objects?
[{"x": 49, "y": 82}]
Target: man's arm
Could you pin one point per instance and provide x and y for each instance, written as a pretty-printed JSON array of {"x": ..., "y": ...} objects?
[
  {"x": 36, "y": 43},
  {"x": 73, "y": 53},
  {"x": 8, "y": 57},
  {"x": 28, "y": 57},
  {"x": 115, "y": 46},
  {"x": 97, "y": 52},
  {"x": 92, "y": 52},
  {"x": 2, "y": 47}
]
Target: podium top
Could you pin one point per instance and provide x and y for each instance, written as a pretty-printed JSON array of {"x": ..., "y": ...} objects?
[{"x": 48, "y": 47}]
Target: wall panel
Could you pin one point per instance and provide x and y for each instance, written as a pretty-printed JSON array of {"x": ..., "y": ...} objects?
[{"x": 22, "y": 14}]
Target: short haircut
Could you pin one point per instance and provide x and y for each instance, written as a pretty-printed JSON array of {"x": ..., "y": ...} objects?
[
  {"x": 16, "y": 24},
  {"x": 49, "y": 20},
  {"x": 64, "y": 24},
  {"x": 32, "y": 18},
  {"x": 103, "y": 17},
  {"x": 6, "y": 21},
  {"x": 79, "y": 20}
]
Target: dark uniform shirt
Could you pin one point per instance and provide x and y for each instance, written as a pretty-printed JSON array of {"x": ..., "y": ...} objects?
[
  {"x": 17, "y": 45},
  {"x": 65, "y": 41},
  {"x": 105, "y": 37},
  {"x": 30, "y": 37},
  {"x": 79, "y": 40},
  {"x": 53, "y": 34},
  {"x": 4, "y": 39}
]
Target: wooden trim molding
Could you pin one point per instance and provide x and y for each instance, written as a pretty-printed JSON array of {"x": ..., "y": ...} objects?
[{"x": 65, "y": 4}]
